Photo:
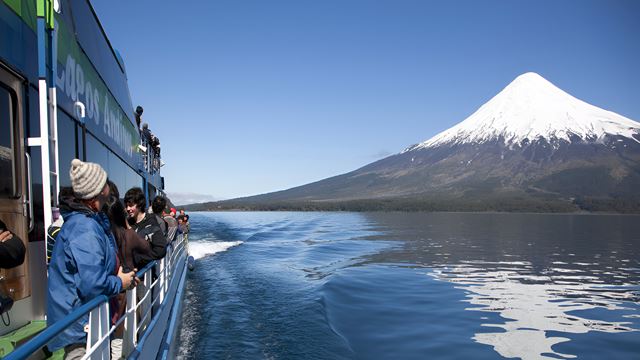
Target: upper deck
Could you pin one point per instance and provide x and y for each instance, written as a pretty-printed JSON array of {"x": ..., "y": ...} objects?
[{"x": 91, "y": 83}]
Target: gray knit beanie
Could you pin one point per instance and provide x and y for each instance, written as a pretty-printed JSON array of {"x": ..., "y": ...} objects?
[{"x": 87, "y": 179}]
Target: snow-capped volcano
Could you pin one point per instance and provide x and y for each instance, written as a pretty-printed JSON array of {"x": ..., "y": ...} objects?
[
  {"x": 531, "y": 108},
  {"x": 531, "y": 147}
]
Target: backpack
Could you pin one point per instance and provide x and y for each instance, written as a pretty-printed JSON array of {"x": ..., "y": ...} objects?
[{"x": 52, "y": 234}]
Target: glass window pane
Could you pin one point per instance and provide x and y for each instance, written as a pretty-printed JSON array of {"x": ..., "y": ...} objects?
[
  {"x": 66, "y": 146},
  {"x": 117, "y": 173},
  {"x": 7, "y": 175},
  {"x": 134, "y": 179},
  {"x": 96, "y": 152}
]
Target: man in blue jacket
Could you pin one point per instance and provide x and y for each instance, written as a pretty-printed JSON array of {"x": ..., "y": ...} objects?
[{"x": 84, "y": 262}]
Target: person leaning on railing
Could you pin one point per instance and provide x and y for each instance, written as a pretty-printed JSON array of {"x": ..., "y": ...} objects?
[
  {"x": 182, "y": 225},
  {"x": 172, "y": 225},
  {"x": 157, "y": 206},
  {"x": 145, "y": 225},
  {"x": 185, "y": 219},
  {"x": 84, "y": 262},
  {"x": 129, "y": 245}
]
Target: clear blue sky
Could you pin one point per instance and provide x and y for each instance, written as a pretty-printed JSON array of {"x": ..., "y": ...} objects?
[{"x": 250, "y": 97}]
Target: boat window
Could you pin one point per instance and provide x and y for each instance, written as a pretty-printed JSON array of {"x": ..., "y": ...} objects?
[
  {"x": 96, "y": 152},
  {"x": 119, "y": 171},
  {"x": 122, "y": 175},
  {"x": 7, "y": 159},
  {"x": 67, "y": 148}
]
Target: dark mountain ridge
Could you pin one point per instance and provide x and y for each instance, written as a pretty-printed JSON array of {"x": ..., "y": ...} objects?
[{"x": 531, "y": 148}]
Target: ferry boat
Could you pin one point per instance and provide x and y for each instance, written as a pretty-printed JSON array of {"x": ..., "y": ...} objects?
[{"x": 64, "y": 95}]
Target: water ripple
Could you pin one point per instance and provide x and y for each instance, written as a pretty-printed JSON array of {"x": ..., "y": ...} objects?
[{"x": 532, "y": 306}]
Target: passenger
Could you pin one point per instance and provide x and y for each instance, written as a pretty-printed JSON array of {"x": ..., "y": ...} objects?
[
  {"x": 155, "y": 144},
  {"x": 157, "y": 206},
  {"x": 84, "y": 262},
  {"x": 145, "y": 225},
  {"x": 187, "y": 224},
  {"x": 138, "y": 115},
  {"x": 54, "y": 228},
  {"x": 182, "y": 225},
  {"x": 12, "y": 250},
  {"x": 186, "y": 227},
  {"x": 172, "y": 226},
  {"x": 129, "y": 245},
  {"x": 146, "y": 134}
]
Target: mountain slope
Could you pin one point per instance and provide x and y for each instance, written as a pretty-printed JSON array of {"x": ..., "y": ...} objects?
[{"x": 531, "y": 143}]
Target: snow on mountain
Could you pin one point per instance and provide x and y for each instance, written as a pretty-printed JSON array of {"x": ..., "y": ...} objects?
[{"x": 531, "y": 108}]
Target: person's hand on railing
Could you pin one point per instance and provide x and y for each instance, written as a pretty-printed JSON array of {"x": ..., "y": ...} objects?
[{"x": 129, "y": 279}]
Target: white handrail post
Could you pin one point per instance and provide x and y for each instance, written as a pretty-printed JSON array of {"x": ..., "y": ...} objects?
[
  {"x": 145, "y": 306},
  {"x": 98, "y": 328},
  {"x": 129, "y": 339},
  {"x": 105, "y": 326},
  {"x": 157, "y": 290},
  {"x": 167, "y": 266},
  {"x": 163, "y": 286}
]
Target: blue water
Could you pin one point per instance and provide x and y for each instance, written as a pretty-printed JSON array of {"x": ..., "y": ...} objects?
[{"x": 289, "y": 285}]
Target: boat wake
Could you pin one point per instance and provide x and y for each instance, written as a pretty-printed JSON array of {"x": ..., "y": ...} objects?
[{"x": 204, "y": 248}]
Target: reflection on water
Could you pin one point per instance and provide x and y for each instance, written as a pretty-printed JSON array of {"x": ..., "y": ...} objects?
[
  {"x": 547, "y": 276},
  {"x": 534, "y": 305}
]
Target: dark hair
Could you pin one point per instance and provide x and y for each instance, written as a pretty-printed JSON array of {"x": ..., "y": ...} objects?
[
  {"x": 117, "y": 217},
  {"x": 136, "y": 196},
  {"x": 159, "y": 203},
  {"x": 113, "y": 190},
  {"x": 114, "y": 208}
]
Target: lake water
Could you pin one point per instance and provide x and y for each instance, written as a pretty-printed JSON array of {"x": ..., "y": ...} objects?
[{"x": 291, "y": 285}]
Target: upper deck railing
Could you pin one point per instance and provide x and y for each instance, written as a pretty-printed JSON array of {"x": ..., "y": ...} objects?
[
  {"x": 151, "y": 160},
  {"x": 138, "y": 317}
]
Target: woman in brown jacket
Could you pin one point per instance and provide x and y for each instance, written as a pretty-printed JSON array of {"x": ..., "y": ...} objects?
[{"x": 129, "y": 244}]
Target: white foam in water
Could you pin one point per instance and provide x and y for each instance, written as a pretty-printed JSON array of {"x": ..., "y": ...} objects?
[{"x": 203, "y": 248}]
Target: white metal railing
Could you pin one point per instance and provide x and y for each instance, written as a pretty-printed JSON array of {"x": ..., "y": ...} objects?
[
  {"x": 99, "y": 330},
  {"x": 144, "y": 306},
  {"x": 140, "y": 310},
  {"x": 151, "y": 159}
]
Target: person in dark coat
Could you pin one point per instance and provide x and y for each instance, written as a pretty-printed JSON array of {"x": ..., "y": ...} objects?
[
  {"x": 146, "y": 134},
  {"x": 12, "y": 248},
  {"x": 129, "y": 244},
  {"x": 172, "y": 226},
  {"x": 145, "y": 225},
  {"x": 157, "y": 206}
]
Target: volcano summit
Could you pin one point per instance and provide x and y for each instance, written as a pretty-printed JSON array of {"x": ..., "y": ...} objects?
[
  {"x": 532, "y": 147},
  {"x": 530, "y": 109}
]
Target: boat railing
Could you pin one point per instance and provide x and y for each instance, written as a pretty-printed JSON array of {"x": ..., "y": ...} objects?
[
  {"x": 151, "y": 160},
  {"x": 156, "y": 278}
]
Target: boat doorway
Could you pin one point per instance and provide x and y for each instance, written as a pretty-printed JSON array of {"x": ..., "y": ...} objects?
[{"x": 14, "y": 185}]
